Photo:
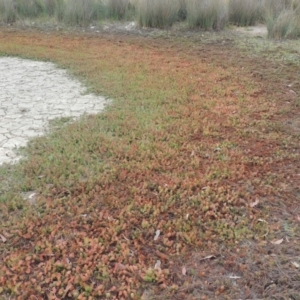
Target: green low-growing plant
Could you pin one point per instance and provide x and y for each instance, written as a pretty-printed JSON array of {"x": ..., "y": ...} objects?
[
  {"x": 157, "y": 13},
  {"x": 207, "y": 14},
  {"x": 245, "y": 12}
]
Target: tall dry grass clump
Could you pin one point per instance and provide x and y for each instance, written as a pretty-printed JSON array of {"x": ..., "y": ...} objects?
[
  {"x": 282, "y": 18},
  {"x": 50, "y": 6},
  {"x": 59, "y": 10},
  {"x": 11, "y": 10},
  {"x": 117, "y": 9},
  {"x": 30, "y": 8},
  {"x": 72, "y": 12},
  {"x": 245, "y": 12},
  {"x": 182, "y": 14},
  {"x": 8, "y": 12},
  {"x": 81, "y": 12},
  {"x": 207, "y": 14},
  {"x": 157, "y": 13}
]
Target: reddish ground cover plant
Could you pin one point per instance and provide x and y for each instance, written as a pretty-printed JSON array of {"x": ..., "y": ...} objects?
[{"x": 186, "y": 187}]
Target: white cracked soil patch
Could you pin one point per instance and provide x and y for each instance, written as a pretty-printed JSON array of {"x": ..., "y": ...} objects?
[{"x": 32, "y": 93}]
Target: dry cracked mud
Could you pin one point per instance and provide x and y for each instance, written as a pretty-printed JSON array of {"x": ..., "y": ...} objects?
[{"x": 31, "y": 94}]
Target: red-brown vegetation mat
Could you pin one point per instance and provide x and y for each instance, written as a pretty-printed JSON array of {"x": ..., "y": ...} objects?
[{"x": 198, "y": 173}]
